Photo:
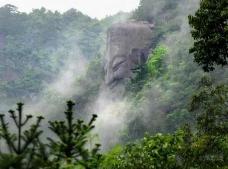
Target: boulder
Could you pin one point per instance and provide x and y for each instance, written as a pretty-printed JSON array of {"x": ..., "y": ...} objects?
[{"x": 128, "y": 45}]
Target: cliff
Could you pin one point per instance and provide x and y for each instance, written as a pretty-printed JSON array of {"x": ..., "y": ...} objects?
[{"x": 128, "y": 45}]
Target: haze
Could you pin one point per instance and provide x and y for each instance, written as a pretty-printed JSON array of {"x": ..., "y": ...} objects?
[{"x": 94, "y": 8}]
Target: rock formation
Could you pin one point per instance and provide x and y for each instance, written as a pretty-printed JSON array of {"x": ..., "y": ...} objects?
[{"x": 128, "y": 45}]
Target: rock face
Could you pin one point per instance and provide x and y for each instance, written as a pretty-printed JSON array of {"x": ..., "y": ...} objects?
[{"x": 128, "y": 45}]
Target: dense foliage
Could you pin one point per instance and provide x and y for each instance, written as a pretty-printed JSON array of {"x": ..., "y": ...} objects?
[
  {"x": 147, "y": 71},
  {"x": 210, "y": 31},
  {"x": 167, "y": 92},
  {"x": 35, "y": 47},
  {"x": 163, "y": 14},
  {"x": 151, "y": 152},
  {"x": 160, "y": 102},
  {"x": 200, "y": 148},
  {"x": 154, "y": 63},
  {"x": 210, "y": 142},
  {"x": 28, "y": 57}
]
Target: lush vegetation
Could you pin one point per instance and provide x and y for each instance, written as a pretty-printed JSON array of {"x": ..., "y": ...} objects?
[
  {"x": 179, "y": 113},
  {"x": 36, "y": 47},
  {"x": 204, "y": 144},
  {"x": 32, "y": 58},
  {"x": 145, "y": 72},
  {"x": 202, "y": 147},
  {"x": 210, "y": 32},
  {"x": 161, "y": 101}
]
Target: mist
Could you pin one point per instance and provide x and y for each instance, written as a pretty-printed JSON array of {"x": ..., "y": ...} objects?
[
  {"x": 117, "y": 113},
  {"x": 66, "y": 65}
]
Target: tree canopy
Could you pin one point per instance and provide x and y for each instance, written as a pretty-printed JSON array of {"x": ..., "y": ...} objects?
[{"x": 210, "y": 32}]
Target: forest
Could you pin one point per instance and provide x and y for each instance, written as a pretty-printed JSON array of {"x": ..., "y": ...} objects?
[{"x": 57, "y": 112}]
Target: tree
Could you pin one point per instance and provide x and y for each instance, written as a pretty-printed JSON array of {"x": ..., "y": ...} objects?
[
  {"x": 146, "y": 71},
  {"x": 12, "y": 21},
  {"x": 210, "y": 32},
  {"x": 138, "y": 81},
  {"x": 156, "y": 11},
  {"x": 21, "y": 147},
  {"x": 211, "y": 142},
  {"x": 207, "y": 147},
  {"x": 154, "y": 63},
  {"x": 69, "y": 148},
  {"x": 151, "y": 152}
]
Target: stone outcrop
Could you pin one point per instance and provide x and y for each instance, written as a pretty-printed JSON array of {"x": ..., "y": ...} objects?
[{"x": 128, "y": 45}]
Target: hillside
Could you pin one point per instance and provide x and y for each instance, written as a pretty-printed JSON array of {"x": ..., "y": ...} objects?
[
  {"x": 152, "y": 85},
  {"x": 37, "y": 47}
]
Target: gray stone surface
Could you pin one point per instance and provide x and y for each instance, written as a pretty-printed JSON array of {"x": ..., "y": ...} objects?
[{"x": 128, "y": 45}]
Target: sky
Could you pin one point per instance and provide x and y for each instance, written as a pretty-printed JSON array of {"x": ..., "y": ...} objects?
[{"x": 94, "y": 8}]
